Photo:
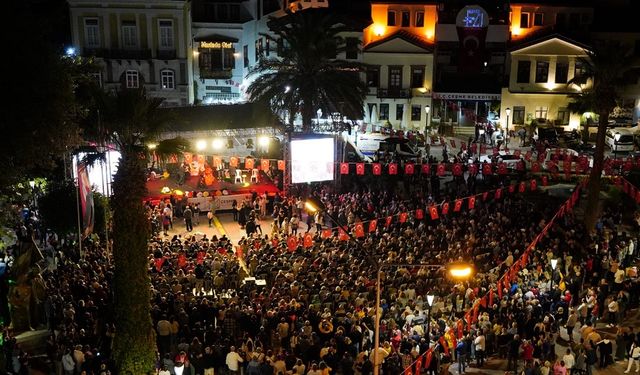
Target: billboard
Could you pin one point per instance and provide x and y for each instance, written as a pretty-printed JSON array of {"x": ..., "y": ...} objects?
[{"x": 312, "y": 160}]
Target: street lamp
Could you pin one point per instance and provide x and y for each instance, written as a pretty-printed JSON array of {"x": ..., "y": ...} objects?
[
  {"x": 554, "y": 264},
  {"x": 427, "y": 109},
  {"x": 506, "y": 136},
  {"x": 616, "y": 138},
  {"x": 430, "y": 298}
]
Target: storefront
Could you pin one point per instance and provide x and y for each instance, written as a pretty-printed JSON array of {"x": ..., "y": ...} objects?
[{"x": 464, "y": 109}]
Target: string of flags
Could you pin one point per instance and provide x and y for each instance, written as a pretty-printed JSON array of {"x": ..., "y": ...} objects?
[
  {"x": 471, "y": 314},
  {"x": 234, "y": 161}
]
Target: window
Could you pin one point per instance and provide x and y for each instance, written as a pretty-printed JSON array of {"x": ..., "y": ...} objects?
[
  {"x": 563, "y": 116},
  {"x": 399, "y": 112},
  {"x": 167, "y": 80},
  {"x": 518, "y": 115},
  {"x": 562, "y": 72},
  {"x": 132, "y": 80},
  {"x": 165, "y": 33},
  {"x": 524, "y": 71},
  {"x": 542, "y": 71},
  {"x": 538, "y": 19},
  {"x": 391, "y": 18},
  {"x": 245, "y": 55},
  {"x": 419, "y": 19},
  {"x": 406, "y": 19},
  {"x": 524, "y": 20},
  {"x": 129, "y": 34},
  {"x": 384, "y": 111},
  {"x": 373, "y": 77},
  {"x": 91, "y": 33},
  {"x": 216, "y": 59},
  {"x": 541, "y": 112},
  {"x": 352, "y": 48},
  {"x": 395, "y": 77},
  {"x": 417, "y": 76},
  {"x": 416, "y": 112},
  {"x": 580, "y": 69}
]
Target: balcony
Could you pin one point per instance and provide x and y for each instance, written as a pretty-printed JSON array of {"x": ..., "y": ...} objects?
[
  {"x": 166, "y": 54},
  {"x": 394, "y": 93},
  {"x": 216, "y": 74}
]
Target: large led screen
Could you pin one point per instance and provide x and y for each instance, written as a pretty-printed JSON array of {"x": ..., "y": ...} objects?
[{"x": 312, "y": 160}]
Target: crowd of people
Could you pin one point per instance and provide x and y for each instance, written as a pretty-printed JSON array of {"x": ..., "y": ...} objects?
[{"x": 316, "y": 313}]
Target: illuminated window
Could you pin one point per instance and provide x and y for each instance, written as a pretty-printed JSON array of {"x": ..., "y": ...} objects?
[
  {"x": 541, "y": 112},
  {"x": 538, "y": 19},
  {"x": 129, "y": 34},
  {"x": 562, "y": 72},
  {"x": 399, "y": 112},
  {"x": 518, "y": 115},
  {"x": 419, "y": 19},
  {"x": 417, "y": 76},
  {"x": 167, "y": 79},
  {"x": 395, "y": 76},
  {"x": 542, "y": 71},
  {"x": 384, "y": 111},
  {"x": 563, "y": 116},
  {"x": 391, "y": 18},
  {"x": 91, "y": 33},
  {"x": 406, "y": 19},
  {"x": 132, "y": 79},
  {"x": 524, "y": 20},
  {"x": 165, "y": 32},
  {"x": 416, "y": 112},
  {"x": 524, "y": 71}
]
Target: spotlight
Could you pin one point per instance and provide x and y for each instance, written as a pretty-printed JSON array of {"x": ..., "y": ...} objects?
[
  {"x": 217, "y": 144},
  {"x": 201, "y": 145}
]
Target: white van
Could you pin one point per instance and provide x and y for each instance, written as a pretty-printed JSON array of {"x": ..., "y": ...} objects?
[{"x": 620, "y": 140}]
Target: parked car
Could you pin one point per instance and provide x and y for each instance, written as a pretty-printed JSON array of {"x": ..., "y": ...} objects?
[
  {"x": 559, "y": 154},
  {"x": 620, "y": 140},
  {"x": 509, "y": 160}
]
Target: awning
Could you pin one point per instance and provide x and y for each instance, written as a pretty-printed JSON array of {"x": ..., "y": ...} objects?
[{"x": 215, "y": 38}]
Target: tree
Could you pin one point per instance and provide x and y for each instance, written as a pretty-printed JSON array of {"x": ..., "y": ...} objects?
[
  {"x": 306, "y": 76},
  {"x": 129, "y": 119},
  {"x": 603, "y": 68}
]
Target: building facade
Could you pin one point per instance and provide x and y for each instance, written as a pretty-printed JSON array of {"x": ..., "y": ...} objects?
[{"x": 141, "y": 43}]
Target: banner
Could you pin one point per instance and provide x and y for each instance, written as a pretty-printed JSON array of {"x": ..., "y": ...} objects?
[{"x": 86, "y": 199}]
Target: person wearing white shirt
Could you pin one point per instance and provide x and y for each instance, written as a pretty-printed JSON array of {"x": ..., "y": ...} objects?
[
  {"x": 480, "y": 343},
  {"x": 569, "y": 360},
  {"x": 634, "y": 357},
  {"x": 233, "y": 360}
]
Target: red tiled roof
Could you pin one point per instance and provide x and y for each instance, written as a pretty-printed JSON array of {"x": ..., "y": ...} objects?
[{"x": 406, "y": 36}]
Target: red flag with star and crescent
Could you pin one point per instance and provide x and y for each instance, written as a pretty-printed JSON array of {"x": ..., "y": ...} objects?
[
  {"x": 534, "y": 185},
  {"x": 486, "y": 169},
  {"x": 393, "y": 168},
  {"x": 248, "y": 163},
  {"x": 419, "y": 214},
  {"x": 457, "y": 169},
  {"x": 359, "y": 230},
  {"x": 281, "y": 165},
  {"x": 233, "y": 161},
  {"x": 292, "y": 243},
  {"x": 426, "y": 168},
  {"x": 472, "y": 202},
  {"x": 372, "y": 225},
  {"x": 342, "y": 235},
  {"x": 360, "y": 169},
  {"x": 408, "y": 169},
  {"x": 441, "y": 169},
  {"x": 433, "y": 211},
  {"x": 326, "y": 233},
  {"x": 445, "y": 208},
  {"x": 265, "y": 164},
  {"x": 377, "y": 169},
  {"x": 457, "y": 205},
  {"x": 403, "y": 217},
  {"x": 388, "y": 221},
  {"x": 307, "y": 240},
  {"x": 344, "y": 168}
]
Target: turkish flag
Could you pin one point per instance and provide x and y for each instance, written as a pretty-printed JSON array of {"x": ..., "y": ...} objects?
[
  {"x": 502, "y": 168},
  {"x": 545, "y": 180},
  {"x": 307, "y": 240},
  {"x": 441, "y": 169},
  {"x": 360, "y": 169},
  {"x": 473, "y": 169},
  {"x": 433, "y": 211},
  {"x": 274, "y": 242},
  {"x": 426, "y": 168},
  {"x": 281, "y": 165},
  {"x": 498, "y": 194},
  {"x": 542, "y": 156},
  {"x": 457, "y": 205},
  {"x": 233, "y": 161},
  {"x": 377, "y": 169},
  {"x": 388, "y": 221},
  {"x": 535, "y": 167},
  {"x": 516, "y": 153},
  {"x": 534, "y": 185},
  {"x": 453, "y": 143},
  {"x": 428, "y": 358},
  {"x": 217, "y": 162},
  {"x": 292, "y": 243},
  {"x": 419, "y": 214},
  {"x": 344, "y": 168},
  {"x": 408, "y": 168},
  {"x": 457, "y": 169},
  {"x": 403, "y": 217},
  {"x": 239, "y": 252},
  {"x": 372, "y": 225},
  {"x": 342, "y": 235},
  {"x": 485, "y": 195},
  {"x": 159, "y": 262},
  {"x": 491, "y": 297},
  {"x": 512, "y": 188},
  {"x": 359, "y": 230},
  {"x": 472, "y": 203},
  {"x": 418, "y": 365},
  {"x": 520, "y": 166},
  {"x": 248, "y": 163},
  {"x": 265, "y": 164},
  {"x": 463, "y": 146},
  {"x": 182, "y": 261},
  {"x": 486, "y": 169},
  {"x": 326, "y": 233},
  {"x": 527, "y": 156},
  {"x": 200, "y": 257},
  {"x": 522, "y": 187},
  {"x": 393, "y": 168},
  {"x": 445, "y": 208}
]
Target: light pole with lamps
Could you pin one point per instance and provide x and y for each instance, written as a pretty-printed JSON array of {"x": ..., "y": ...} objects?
[
  {"x": 506, "y": 135},
  {"x": 457, "y": 270},
  {"x": 427, "y": 110},
  {"x": 554, "y": 264},
  {"x": 430, "y": 298}
]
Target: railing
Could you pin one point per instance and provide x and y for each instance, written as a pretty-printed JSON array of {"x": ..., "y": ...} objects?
[
  {"x": 222, "y": 96},
  {"x": 216, "y": 74},
  {"x": 394, "y": 93}
]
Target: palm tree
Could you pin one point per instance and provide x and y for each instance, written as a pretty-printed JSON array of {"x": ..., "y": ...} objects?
[
  {"x": 603, "y": 68},
  {"x": 306, "y": 76},
  {"x": 128, "y": 119}
]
